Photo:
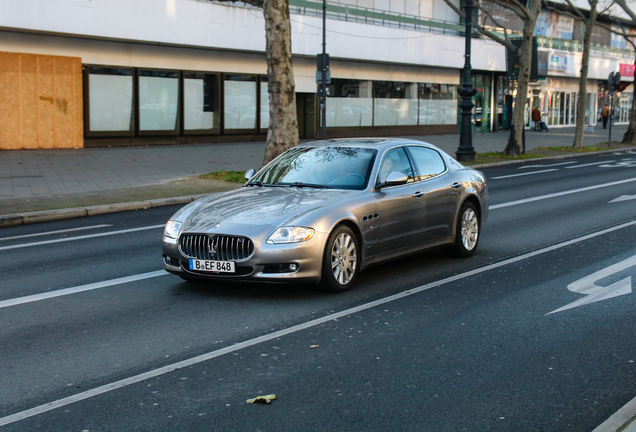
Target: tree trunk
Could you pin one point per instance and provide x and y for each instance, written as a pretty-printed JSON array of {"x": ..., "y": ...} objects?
[
  {"x": 630, "y": 135},
  {"x": 525, "y": 62},
  {"x": 585, "y": 66},
  {"x": 283, "y": 122}
]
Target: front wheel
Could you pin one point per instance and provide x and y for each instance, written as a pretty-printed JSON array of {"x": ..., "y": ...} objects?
[
  {"x": 467, "y": 232},
  {"x": 341, "y": 260}
]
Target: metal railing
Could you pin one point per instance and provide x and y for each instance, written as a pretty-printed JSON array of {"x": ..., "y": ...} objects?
[
  {"x": 353, "y": 13},
  {"x": 576, "y": 46}
]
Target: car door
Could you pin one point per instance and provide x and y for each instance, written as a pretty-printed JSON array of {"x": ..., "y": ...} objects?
[
  {"x": 442, "y": 193},
  {"x": 402, "y": 208}
]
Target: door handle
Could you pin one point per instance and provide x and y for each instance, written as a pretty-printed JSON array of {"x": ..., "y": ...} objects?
[
  {"x": 456, "y": 185},
  {"x": 418, "y": 194}
]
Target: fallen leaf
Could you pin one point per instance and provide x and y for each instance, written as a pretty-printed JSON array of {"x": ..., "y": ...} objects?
[
  {"x": 262, "y": 399},
  {"x": 314, "y": 346}
]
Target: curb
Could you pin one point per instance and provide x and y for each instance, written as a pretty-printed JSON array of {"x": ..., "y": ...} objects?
[
  {"x": 623, "y": 420},
  {"x": 53, "y": 215}
]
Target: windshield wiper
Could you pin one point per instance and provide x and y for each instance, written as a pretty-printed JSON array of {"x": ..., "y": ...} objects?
[
  {"x": 310, "y": 185},
  {"x": 255, "y": 183}
]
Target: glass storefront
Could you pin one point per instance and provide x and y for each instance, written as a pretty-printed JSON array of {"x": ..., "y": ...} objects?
[
  {"x": 158, "y": 100},
  {"x": 355, "y": 103},
  {"x": 438, "y": 104},
  {"x": 350, "y": 103},
  {"x": 481, "y": 100},
  {"x": 201, "y": 102},
  {"x": 140, "y": 102},
  {"x": 264, "y": 103},
  {"x": 395, "y": 103},
  {"x": 239, "y": 101},
  {"x": 110, "y": 100}
]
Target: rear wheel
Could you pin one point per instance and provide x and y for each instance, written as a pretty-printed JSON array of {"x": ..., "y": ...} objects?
[
  {"x": 466, "y": 233},
  {"x": 341, "y": 260}
]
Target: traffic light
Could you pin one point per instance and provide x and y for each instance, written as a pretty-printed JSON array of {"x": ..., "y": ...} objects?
[{"x": 613, "y": 81}]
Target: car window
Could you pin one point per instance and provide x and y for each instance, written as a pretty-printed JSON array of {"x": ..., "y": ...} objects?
[
  {"x": 329, "y": 167},
  {"x": 395, "y": 160},
  {"x": 428, "y": 162}
]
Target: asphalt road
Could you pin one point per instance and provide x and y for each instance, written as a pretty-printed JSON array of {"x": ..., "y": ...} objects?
[{"x": 535, "y": 332}]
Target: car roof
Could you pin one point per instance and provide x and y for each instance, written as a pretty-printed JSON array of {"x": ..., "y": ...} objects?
[{"x": 376, "y": 143}]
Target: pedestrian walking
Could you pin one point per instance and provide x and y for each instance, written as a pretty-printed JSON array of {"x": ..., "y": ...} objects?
[
  {"x": 536, "y": 118},
  {"x": 605, "y": 112}
]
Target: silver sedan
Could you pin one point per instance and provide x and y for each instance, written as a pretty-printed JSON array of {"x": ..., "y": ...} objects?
[{"x": 326, "y": 210}]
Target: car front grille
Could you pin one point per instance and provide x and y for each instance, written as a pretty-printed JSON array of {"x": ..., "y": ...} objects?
[{"x": 218, "y": 247}]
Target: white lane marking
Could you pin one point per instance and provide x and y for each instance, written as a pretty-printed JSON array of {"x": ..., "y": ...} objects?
[
  {"x": 623, "y": 198},
  {"x": 590, "y": 164},
  {"x": 546, "y": 165},
  {"x": 81, "y": 288},
  {"x": 304, "y": 326},
  {"x": 594, "y": 293},
  {"x": 558, "y": 194},
  {"x": 81, "y": 237},
  {"x": 524, "y": 174},
  {"x": 624, "y": 163},
  {"x": 55, "y": 232}
]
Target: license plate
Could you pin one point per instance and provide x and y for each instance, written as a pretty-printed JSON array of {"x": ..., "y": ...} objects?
[{"x": 212, "y": 266}]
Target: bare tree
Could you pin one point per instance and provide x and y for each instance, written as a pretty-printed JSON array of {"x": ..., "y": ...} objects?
[
  {"x": 589, "y": 22},
  {"x": 630, "y": 134},
  {"x": 282, "y": 133},
  {"x": 528, "y": 12}
]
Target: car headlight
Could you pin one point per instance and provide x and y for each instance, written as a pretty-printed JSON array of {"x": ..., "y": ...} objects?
[
  {"x": 173, "y": 228},
  {"x": 290, "y": 235}
]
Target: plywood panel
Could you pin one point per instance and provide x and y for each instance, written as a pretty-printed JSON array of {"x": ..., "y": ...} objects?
[
  {"x": 10, "y": 136},
  {"x": 29, "y": 100},
  {"x": 46, "y": 101},
  {"x": 40, "y": 101}
]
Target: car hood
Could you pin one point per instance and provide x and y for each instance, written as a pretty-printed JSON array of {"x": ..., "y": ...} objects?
[{"x": 259, "y": 206}]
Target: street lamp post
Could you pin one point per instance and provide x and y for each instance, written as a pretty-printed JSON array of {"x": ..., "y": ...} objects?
[{"x": 466, "y": 152}]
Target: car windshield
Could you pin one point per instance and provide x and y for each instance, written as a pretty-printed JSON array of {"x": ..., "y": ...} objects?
[{"x": 320, "y": 167}]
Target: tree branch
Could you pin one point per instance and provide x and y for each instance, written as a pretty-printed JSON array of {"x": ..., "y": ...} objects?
[
  {"x": 627, "y": 9},
  {"x": 577, "y": 12},
  {"x": 257, "y": 3},
  {"x": 514, "y": 6},
  {"x": 505, "y": 42}
]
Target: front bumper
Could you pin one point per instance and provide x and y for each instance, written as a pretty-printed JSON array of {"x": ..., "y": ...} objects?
[{"x": 268, "y": 263}]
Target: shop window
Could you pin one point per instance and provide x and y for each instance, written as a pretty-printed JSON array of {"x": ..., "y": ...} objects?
[
  {"x": 110, "y": 101},
  {"x": 239, "y": 99},
  {"x": 438, "y": 104},
  {"x": 201, "y": 102},
  {"x": 395, "y": 103},
  {"x": 264, "y": 103},
  {"x": 158, "y": 100},
  {"x": 350, "y": 103}
]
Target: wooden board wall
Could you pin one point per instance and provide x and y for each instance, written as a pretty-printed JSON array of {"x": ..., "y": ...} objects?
[{"x": 40, "y": 102}]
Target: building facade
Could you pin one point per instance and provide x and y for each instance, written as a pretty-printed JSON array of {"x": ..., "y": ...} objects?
[{"x": 83, "y": 73}]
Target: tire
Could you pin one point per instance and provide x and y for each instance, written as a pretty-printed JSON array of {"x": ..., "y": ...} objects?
[
  {"x": 466, "y": 233},
  {"x": 340, "y": 261}
]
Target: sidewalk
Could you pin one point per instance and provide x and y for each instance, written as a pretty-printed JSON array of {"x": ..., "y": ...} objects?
[{"x": 81, "y": 179}]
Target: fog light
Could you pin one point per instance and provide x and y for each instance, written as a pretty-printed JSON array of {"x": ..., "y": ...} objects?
[{"x": 293, "y": 267}]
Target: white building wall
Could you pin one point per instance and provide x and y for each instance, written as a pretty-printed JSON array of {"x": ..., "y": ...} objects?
[{"x": 205, "y": 25}]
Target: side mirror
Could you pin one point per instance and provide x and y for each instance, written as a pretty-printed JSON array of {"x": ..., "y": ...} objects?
[
  {"x": 249, "y": 174},
  {"x": 395, "y": 179}
]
